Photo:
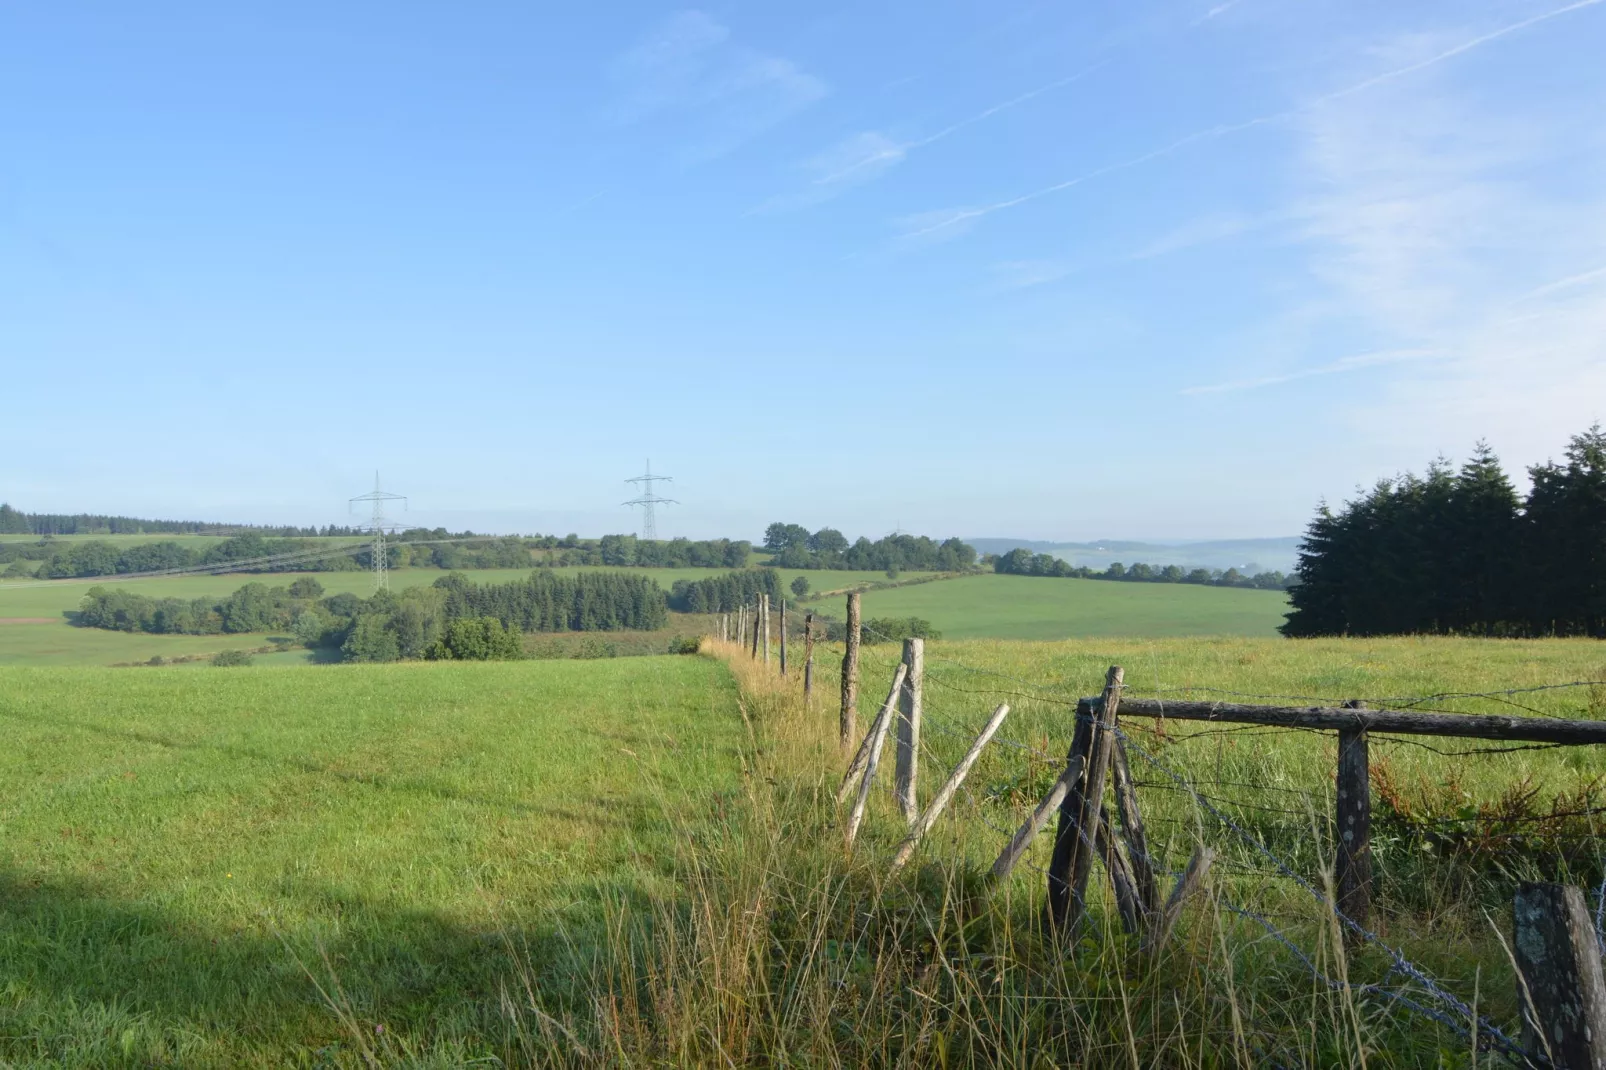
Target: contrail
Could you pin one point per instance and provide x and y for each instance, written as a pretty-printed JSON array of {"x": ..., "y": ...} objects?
[{"x": 966, "y": 214}]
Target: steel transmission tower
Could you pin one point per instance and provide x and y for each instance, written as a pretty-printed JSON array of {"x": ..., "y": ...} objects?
[
  {"x": 647, "y": 500},
  {"x": 377, "y": 526}
]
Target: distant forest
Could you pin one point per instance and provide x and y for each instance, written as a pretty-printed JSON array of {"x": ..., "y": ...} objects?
[
  {"x": 420, "y": 622},
  {"x": 794, "y": 546},
  {"x": 415, "y": 548},
  {"x": 13, "y": 522},
  {"x": 1460, "y": 552},
  {"x": 1022, "y": 562}
]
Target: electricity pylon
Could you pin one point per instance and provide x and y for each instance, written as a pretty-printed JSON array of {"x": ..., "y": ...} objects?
[
  {"x": 377, "y": 526},
  {"x": 647, "y": 500}
]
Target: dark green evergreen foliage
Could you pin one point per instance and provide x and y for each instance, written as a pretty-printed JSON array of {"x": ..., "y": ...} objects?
[
  {"x": 628, "y": 550},
  {"x": 477, "y": 639},
  {"x": 1460, "y": 552},
  {"x": 723, "y": 594},
  {"x": 1022, "y": 562},
  {"x": 548, "y": 602},
  {"x": 794, "y": 547},
  {"x": 13, "y": 522}
]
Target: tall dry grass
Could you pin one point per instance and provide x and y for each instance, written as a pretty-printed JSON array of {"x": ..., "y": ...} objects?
[{"x": 784, "y": 949}]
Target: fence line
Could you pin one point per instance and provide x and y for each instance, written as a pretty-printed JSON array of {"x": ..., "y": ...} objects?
[{"x": 1418, "y": 991}]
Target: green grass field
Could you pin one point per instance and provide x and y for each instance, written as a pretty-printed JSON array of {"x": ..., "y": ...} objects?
[
  {"x": 1028, "y": 607},
  {"x": 180, "y": 849},
  {"x": 34, "y": 630}
]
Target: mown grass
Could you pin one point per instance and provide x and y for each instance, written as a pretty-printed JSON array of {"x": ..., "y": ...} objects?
[
  {"x": 1036, "y": 607},
  {"x": 186, "y": 858}
]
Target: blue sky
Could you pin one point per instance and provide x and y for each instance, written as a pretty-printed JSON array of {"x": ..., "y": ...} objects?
[{"x": 1150, "y": 268}]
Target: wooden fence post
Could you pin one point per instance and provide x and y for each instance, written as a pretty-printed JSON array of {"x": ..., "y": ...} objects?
[
  {"x": 848, "y": 723},
  {"x": 862, "y": 755},
  {"x": 1029, "y": 829},
  {"x": 945, "y": 794},
  {"x": 1561, "y": 990},
  {"x": 1353, "y": 856},
  {"x": 909, "y": 712},
  {"x": 1075, "y": 844},
  {"x": 1065, "y": 837},
  {"x": 765, "y": 610},
  {"x": 875, "y": 739},
  {"x": 808, "y": 658},
  {"x": 1191, "y": 881},
  {"x": 1137, "y": 841},
  {"x": 783, "y": 637}
]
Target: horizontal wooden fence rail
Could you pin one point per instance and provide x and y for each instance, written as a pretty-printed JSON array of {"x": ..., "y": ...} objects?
[{"x": 1404, "y": 722}]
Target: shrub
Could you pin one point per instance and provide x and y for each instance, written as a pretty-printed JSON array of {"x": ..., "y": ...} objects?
[
  {"x": 800, "y": 586},
  {"x": 477, "y": 639},
  {"x": 227, "y": 659}
]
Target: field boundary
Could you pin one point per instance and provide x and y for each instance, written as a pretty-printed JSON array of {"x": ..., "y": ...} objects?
[{"x": 1557, "y": 990}]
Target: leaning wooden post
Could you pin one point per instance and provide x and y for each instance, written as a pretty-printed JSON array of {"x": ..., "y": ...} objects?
[
  {"x": 873, "y": 758},
  {"x": 1353, "y": 857},
  {"x": 1561, "y": 990},
  {"x": 1065, "y": 837},
  {"x": 808, "y": 658},
  {"x": 1137, "y": 841},
  {"x": 909, "y": 712},
  {"x": 1076, "y": 842},
  {"x": 862, "y": 755},
  {"x": 848, "y": 723},
  {"x": 945, "y": 794},
  {"x": 1192, "y": 879},
  {"x": 1029, "y": 828},
  {"x": 783, "y": 637}
]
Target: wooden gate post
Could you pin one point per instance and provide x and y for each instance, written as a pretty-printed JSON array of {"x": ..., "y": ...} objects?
[
  {"x": 808, "y": 658},
  {"x": 1353, "y": 856},
  {"x": 909, "y": 713},
  {"x": 1561, "y": 989},
  {"x": 1074, "y": 843},
  {"x": 848, "y": 723}
]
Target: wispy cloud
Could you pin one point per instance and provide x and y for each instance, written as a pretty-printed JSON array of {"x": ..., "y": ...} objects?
[
  {"x": 866, "y": 156},
  {"x": 1354, "y": 363},
  {"x": 690, "y": 68},
  {"x": 1442, "y": 221},
  {"x": 1195, "y": 232},
  {"x": 955, "y": 217},
  {"x": 1023, "y": 274},
  {"x": 1219, "y": 9}
]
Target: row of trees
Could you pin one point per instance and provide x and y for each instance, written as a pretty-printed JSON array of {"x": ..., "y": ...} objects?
[
  {"x": 795, "y": 547},
  {"x": 1459, "y": 551},
  {"x": 415, "y": 548},
  {"x": 1022, "y": 562},
  {"x": 421, "y": 622},
  {"x": 14, "y": 522},
  {"x": 723, "y": 594}
]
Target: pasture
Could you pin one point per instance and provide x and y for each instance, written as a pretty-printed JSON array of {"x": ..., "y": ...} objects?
[
  {"x": 1034, "y": 607},
  {"x": 34, "y": 629},
  {"x": 189, "y": 857}
]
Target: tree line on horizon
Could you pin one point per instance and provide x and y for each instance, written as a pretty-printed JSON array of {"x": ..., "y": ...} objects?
[
  {"x": 1022, "y": 562},
  {"x": 794, "y": 546},
  {"x": 1460, "y": 552},
  {"x": 15, "y": 522}
]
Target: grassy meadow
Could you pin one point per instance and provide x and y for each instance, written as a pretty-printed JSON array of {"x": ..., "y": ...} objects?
[
  {"x": 1034, "y": 607},
  {"x": 189, "y": 857},
  {"x": 432, "y": 864}
]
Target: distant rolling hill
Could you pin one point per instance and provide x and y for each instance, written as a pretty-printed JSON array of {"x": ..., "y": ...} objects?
[{"x": 1256, "y": 555}]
